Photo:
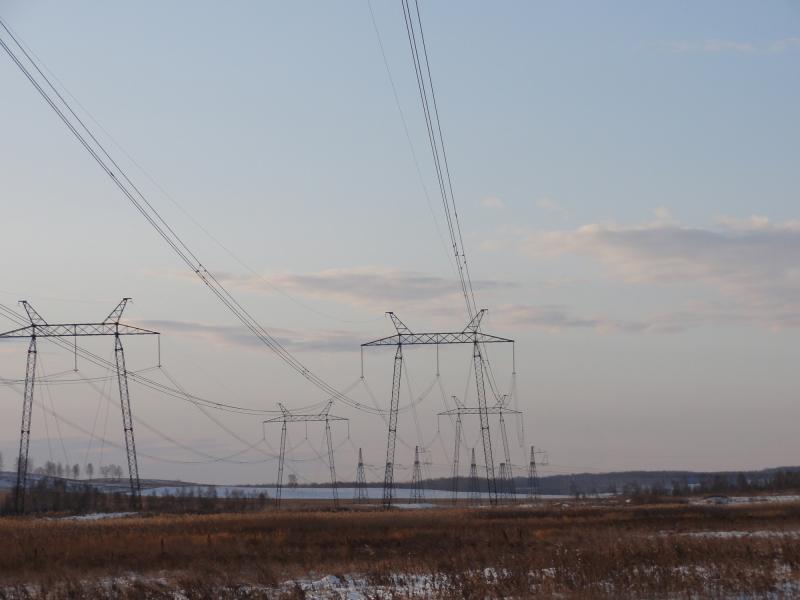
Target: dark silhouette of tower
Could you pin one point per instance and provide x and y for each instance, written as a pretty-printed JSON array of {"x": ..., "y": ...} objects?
[
  {"x": 533, "y": 477},
  {"x": 474, "y": 494},
  {"x": 416, "y": 479},
  {"x": 361, "y": 480}
]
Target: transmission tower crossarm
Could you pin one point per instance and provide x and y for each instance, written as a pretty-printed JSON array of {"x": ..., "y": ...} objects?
[
  {"x": 77, "y": 330},
  {"x": 437, "y": 338},
  {"x": 476, "y": 410},
  {"x": 110, "y": 326},
  {"x": 469, "y": 335},
  {"x": 295, "y": 418}
]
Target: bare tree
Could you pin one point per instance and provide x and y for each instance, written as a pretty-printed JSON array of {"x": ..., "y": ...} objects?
[
  {"x": 90, "y": 470},
  {"x": 76, "y": 471}
]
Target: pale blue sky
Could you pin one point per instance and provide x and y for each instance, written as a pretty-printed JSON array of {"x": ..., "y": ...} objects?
[{"x": 608, "y": 160}]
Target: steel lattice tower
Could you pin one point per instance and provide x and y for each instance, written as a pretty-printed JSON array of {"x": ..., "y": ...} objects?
[
  {"x": 39, "y": 328},
  {"x": 289, "y": 417},
  {"x": 471, "y": 334},
  {"x": 417, "y": 494},
  {"x": 474, "y": 492},
  {"x": 506, "y": 474},
  {"x": 533, "y": 476},
  {"x": 456, "y": 454},
  {"x": 361, "y": 480},
  {"x": 503, "y": 487}
]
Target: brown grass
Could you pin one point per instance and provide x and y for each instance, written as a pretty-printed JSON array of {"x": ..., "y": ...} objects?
[{"x": 603, "y": 551}]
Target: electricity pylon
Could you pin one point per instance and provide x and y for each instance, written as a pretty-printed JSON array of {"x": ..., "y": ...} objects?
[
  {"x": 289, "y": 417},
  {"x": 471, "y": 334},
  {"x": 505, "y": 487},
  {"x": 507, "y": 475},
  {"x": 533, "y": 476},
  {"x": 456, "y": 454},
  {"x": 474, "y": 492},
  {"x": 361, "y": 480},
  {"x": 39, "y": 328},
  {"x": 417, "y": 494}
]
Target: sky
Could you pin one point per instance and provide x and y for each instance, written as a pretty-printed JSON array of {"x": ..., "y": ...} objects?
[{"x": 626, "y": 179}]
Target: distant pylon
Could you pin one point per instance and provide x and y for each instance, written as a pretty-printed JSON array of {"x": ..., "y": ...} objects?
[
  {"x": 533, "y": 477},
  {"x": 509, "y": 491},
  {"x": 504, "y": 488},
  {"x": 474, "y": 494},
  {"x": 416, "y": 480},
  {"x": 361, "y": 480},
  {"x": 456, "y": 452}
]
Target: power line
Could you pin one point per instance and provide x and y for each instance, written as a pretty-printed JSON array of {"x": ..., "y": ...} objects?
[{"x": 118, "y": 176}]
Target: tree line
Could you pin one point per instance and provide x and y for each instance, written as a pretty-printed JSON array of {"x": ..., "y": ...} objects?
[{"x": 57, "y": 469}]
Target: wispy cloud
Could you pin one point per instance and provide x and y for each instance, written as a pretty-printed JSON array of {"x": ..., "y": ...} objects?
[
  {"x": 560, "y": 318},
  {"x": 718, "y": 46},
  {"x": 711, "y": 45},
  {"x": 492, "y": 202},
  {"x": 551, "y": 206},
  {"x": 372, "y": 287},
  {"x": 754, "y": 263},
  {"x": 235, "y": 336},
  {"x": 786, "y": 44}
]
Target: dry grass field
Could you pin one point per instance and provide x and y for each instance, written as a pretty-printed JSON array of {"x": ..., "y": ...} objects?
[{"x": 600, "y": 551}]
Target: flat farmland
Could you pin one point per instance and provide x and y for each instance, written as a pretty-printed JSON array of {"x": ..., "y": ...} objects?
[{"x": 569, "y": 551}]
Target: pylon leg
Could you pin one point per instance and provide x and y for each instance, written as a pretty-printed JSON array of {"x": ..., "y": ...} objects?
[
  {"x": 388, "y": 479},
  {"x": 280, "y": 466},
  {"x": 127, "y": 424},
  {"x": 456, "y": 451},
  {"x": 361, "y": 480},
  {"x": 484, "y": 418},
  {"x": 331, "y": 464},
  {"x": 25, "y": 430},
  {"x": 509, "y": 489}
]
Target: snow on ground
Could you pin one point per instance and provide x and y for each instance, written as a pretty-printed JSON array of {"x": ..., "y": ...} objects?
[
  {"x": 760, "y": 533},
  {"x": 746, "y": 499},
  {"x": 97, "y": 516},
  {"x": 405, "y": 585}
]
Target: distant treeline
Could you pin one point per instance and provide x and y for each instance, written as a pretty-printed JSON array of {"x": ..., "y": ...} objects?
[
  {"x": 679, "y": 483},
  {"x": 48, "y": 495}
]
